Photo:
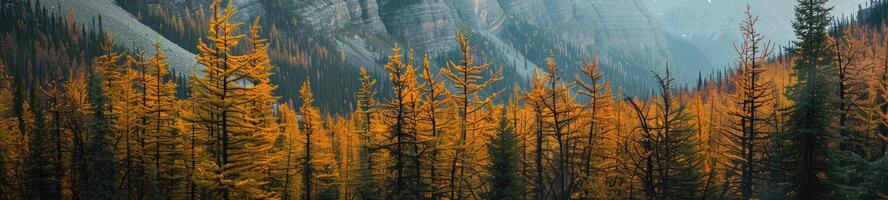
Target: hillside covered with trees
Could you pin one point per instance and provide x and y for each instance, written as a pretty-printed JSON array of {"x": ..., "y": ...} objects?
[{"x": 81, "y": 118}]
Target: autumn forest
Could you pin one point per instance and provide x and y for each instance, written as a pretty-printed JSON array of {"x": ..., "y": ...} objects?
[{"x": 84, "y": 118}]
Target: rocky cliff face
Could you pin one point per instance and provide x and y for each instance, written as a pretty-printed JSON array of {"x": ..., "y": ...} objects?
[
  {"x": 516, "y": 35},
  {"x": 607, "y": 27}
]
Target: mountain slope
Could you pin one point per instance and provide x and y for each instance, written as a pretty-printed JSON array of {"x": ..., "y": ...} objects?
[
  {"x": 126, "y": 30},
  {"x": 515, "y": 34},
  {"x": 327, "y": 40}
]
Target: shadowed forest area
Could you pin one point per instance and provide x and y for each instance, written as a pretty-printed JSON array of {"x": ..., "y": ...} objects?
[{"x": 84, "y": 118}]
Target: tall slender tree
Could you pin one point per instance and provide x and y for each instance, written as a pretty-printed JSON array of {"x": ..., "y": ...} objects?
[
  {"x": 805, "y": 155},
  {"x": 435, "y": 123},
  {"x": 399, "y": 118},
  {"x": 40, "y": 181},
  {"x": 560, "y": 114},
  {"x": 532, "y": 98},
  {"x": 677, "y": 160},
  {"x": 472, "y": 113},
  {"x": 504, "y": 180},
  {"x": 368, "y": 188},
  {"x": 747, "y": 132},
  {"x": 260, "y": 100},
  {"x": 288, "y": 179},
  {"x": 318, "y": 177},
  {"x": 159, "y": 111},
  {"x": 103, "y": 176},
  {"x": 223, "y": 97},
  {"x": 398, "y": 115},
  {"x": 598, "y": 152}
]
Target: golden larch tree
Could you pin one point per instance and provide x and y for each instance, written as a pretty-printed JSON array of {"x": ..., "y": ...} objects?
[{"x": 473, "y": 115}]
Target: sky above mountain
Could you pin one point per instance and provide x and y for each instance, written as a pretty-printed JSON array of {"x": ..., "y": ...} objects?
[{"x": 712, "y": 25}]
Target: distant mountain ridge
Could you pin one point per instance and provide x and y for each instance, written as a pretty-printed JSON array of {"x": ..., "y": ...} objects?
[
  {"x": 516, "y": 34},
  {"x": 712, "y": 25}
]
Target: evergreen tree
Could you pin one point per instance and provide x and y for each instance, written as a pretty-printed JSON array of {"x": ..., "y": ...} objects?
[
  {"x": 368, "y": 189},
  {"x": 805, "y": 155},
  {"x": 747, "y": 131},
  {"x": 504, "y": 181},
  {"x": 40, "y": 181},
  {"x": 100, "y": 159},
  {"x": 876, "y": 183},
  {"x": 677, "y": 163}
]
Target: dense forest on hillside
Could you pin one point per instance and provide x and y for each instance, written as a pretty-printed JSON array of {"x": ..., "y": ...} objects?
[{"x": 83, "y": 119}]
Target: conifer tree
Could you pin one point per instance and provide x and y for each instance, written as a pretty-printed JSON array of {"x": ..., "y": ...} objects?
[
  {"x": 318, "y": 175},
  {"x": 107, "y": 65},
  {"x": 851, "y": 82},
  {"x": 472, "y": 112},
  {"x": 285, "y": 179},
  {"x": 504, "y": 180},
  {"x": 399, "y": 118},
  {"x": 102, "y": 178},
  {"x": 876, "y": 183},
  {"x": 677, "y": 164},
  {"x": 40, "y": 181},
  {"x": 223, "y": 104},
  {"x": 120, "y": 84},
  {"x": 599, "y": 141},
  {"x": 747, "y": 131},
  {"x": 161, "y": 147},
  {"x": 7, "y": 130},
  {"x": 367, "y": 181},
  {"x": 433, "y": 119},
  {"x": 538, "y": 92},
  {"x": 559, "y": 113},
  {"x": 806, "y": 154},
  {"x": 195, "y": 156},
  {"x": 126, "y": 109},
  {"x": 70, "y": 116},
  {"x": 260, "y": 101}
]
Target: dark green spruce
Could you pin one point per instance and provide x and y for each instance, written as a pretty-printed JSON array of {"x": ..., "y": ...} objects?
[
  {"x": 40, "y": 182},
  {"x": 505, "y": 183},
  {"x": 805, "y": 156},
  {"x": 102, "y": 177}
]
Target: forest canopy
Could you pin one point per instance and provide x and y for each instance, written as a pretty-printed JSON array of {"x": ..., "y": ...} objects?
[{"x": 83, "y": 119}]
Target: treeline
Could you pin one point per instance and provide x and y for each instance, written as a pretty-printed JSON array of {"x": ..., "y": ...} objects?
[
  {"x": 185, "y": 28},
  {"x": 298, "y": 54},
  {"x": 40, "y": 45},
  {"x": 809, "y": 126}
]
